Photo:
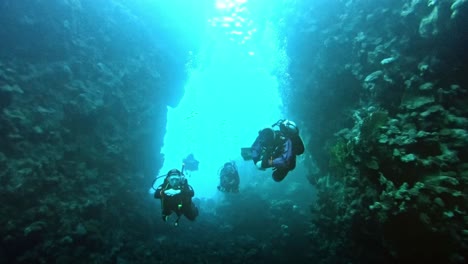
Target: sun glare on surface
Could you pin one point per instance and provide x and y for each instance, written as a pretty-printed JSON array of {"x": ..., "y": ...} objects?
[{"x": 234, "y": 20}]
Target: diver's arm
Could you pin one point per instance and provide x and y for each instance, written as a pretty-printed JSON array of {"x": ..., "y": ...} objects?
[
  {"x": 256, "y": 150},
  {"x": 283, "y": 160},
  {"x": 236, "y": 178},
  {"x": 158, "y": 193},
  {"x": 187, "y": 190}
]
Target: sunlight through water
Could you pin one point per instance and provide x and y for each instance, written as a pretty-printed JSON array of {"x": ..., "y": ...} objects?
[{"x": 229, "y": 97}]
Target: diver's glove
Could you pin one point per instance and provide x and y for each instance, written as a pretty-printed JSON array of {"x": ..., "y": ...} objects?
[
  {"x": 266, "y": 162},
  {"x": 259, "y": 165},
  {"x": 171, "y": 192}
]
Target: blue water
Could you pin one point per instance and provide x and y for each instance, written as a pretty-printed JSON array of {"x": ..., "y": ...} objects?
[{"x": 231, "y": 93}]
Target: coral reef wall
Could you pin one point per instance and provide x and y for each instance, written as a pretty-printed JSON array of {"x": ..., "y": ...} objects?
[
  {"x": 84, "y": 87},
  {"x": 382, "y": 86}
]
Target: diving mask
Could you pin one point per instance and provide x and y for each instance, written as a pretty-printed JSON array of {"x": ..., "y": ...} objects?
[{"x": 175, "y": 181}]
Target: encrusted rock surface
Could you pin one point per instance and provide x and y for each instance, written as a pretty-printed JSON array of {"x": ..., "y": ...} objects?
[
  {"x": 83, "y": 96},
  {"x": 392, "y": 153}
]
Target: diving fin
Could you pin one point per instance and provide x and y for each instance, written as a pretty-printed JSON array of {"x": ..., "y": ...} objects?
[{"x": 246, "y": 153}]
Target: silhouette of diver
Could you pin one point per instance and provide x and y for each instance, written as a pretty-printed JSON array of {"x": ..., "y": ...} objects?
[{"x": 190, "y": 163}]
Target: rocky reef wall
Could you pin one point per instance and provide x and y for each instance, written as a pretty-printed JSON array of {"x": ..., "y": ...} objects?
[
  {"x": 84, "y": 87},
  {"x": 382, "y": 86}
]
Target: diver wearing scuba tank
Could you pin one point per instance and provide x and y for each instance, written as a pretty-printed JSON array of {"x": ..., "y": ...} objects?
[
  {"x": 176, "y": 196},
  {"x": 277, "y": 149}
]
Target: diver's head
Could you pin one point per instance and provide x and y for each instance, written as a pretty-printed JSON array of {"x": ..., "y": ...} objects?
[
  {"x": 288, "y": 128},
  {"x": 267, "y": 135},
  {"x": 175, "y": 178},
  {"x": 230, "y": 164}
]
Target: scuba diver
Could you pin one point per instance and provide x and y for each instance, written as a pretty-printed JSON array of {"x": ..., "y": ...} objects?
[
  {"x": 276, "y": 149},
  {"x": 176, "y": 196},
  {"x": 190, "y": 163},
  {"x": 229, "y": 178}
]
